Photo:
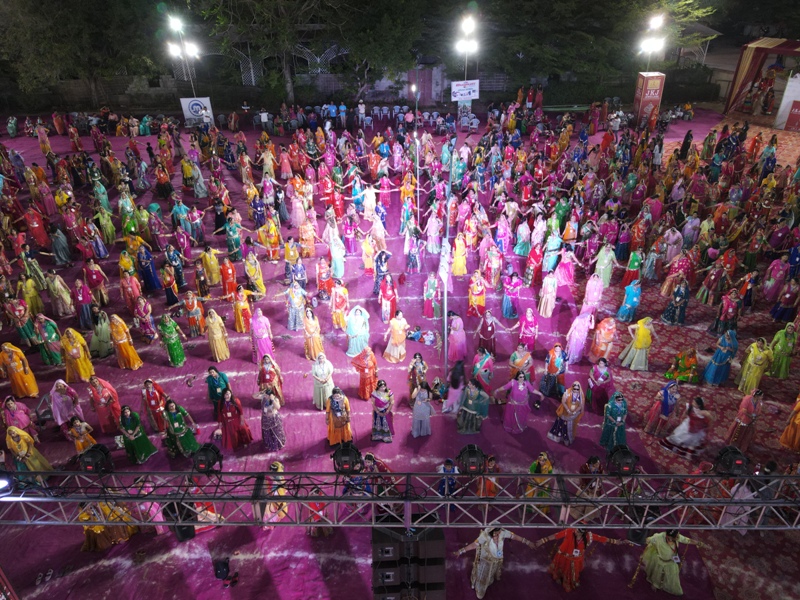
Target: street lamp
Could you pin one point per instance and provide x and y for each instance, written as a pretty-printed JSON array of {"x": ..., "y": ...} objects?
[
  {"x": 656, "y": 22},
  {"x": 650, "y": 45},
  {"x": 465, "y": 47},
  {"x": 185, "y": 50},
  {"x": 419, "y": 183},
  {"x": 468, "y": 25}
]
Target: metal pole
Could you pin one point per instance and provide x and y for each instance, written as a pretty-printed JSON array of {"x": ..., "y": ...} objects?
[
  {"x": 648, "y": 61},
  {"x": 466, "y": 58},
  {"x": 186, "y": 62},
  {"x": 447, "y": 238},
  {"x": 419, "y": 183}
]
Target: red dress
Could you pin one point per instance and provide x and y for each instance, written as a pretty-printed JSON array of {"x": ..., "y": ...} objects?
[
  {"x": 153, "y": 402},
  {"x": 567, "y": 564},
  {"x": 235, "y": 432}
]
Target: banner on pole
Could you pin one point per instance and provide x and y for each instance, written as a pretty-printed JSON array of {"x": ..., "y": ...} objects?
[
  {"x": 647, "y": 100},
  {"x": 197, "y": 108},
  {"x": 464, "y": 90}
]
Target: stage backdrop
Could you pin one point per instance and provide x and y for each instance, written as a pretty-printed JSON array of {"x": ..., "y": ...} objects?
[
  {"x": 193, "y": 107},
  {"x": 788, "y": 116}
]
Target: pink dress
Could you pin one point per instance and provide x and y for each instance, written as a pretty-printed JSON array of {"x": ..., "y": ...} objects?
[
  {"x": 774, "y": 280},
  {"x": 576, "y": 340},
  {"x": 527, "y": 331},
  {"x": 565, "y": 271},
  {"x": 518, "y": 407},
  {"x": 594, "y": 293},
  {"x": 457, "y": 342}
]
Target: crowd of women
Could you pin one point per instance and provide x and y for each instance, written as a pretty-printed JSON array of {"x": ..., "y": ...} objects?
[{"x": 527, "y": 204}]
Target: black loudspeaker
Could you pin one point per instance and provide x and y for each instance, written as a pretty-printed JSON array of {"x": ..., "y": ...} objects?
[
  {"x": 97, "y": 459},
  {"x": 408, "y": 564},
  {"x": 222, "y": 568},
  {"x": 171, "y": 510}
]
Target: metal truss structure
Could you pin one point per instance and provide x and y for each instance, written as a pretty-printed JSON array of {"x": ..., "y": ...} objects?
[{"x": 406, "y": 500}]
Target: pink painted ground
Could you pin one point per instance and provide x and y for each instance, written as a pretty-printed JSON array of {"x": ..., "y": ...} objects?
[{"x": 284, "y": 563}]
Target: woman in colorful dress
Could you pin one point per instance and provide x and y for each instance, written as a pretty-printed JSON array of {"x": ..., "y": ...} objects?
[
  {"x": 81, "y": 434},
  {"x": 774, "y": 278},
  {"x": 382, "y": 415},
  {"x": 273, "y": 435},
  {"x": 675, "y": 313},
  {"x": 127, "y": 357},
  {"x": 17, "y": 414},
  {"x": 790, "y": 438},
  {"x": 477, "y": 295},
  {"x": 576, "y": 337},
  {"x": 396, "y": 334},
  {"x": 144, "y": 316},
  {"x": 719, "y": 367},
  {"x": 614, "y": 415},
  {"x": 684, "y": 367},
  {"x": 100, "y": 344},
  {"x": 757, "y": 362},
  {"x": 782, "y": 347},
  {"x": 24, "y": 454},
  {"x": 785, "y": 308},
  {"x": 193, "y": 308},
  {"x": 130, "y": 289},
  {"x": 511, "y": 288},
  {"x": 366, "y": 365},
  {"x": 662, "y": 561},
  {"x": 242, "y": 314},
  {"x": 217, "y": 337},
  {"x": 633, "y": 296},
  {"x": 322, "y": 373},
  {"x": 171, "y": 335},
  {"x": 312, "y": 335},
  {"x": 357, "y": 330},
  {"x": 635, "y": 355},
  {"x": 663, "y": 407},
  {"x": 147, "y": 270},
  {"x": 104, "y": 401},
  {"x": 473, "y": 408},
  {"x": 295, "y": 305},
  {"x": 743, "y": 429},
  {"x": 231, "y": 423},
  {"x": 181, "y": 426},
  {"x": 568, "y": 415},
  {"x": 431, "y": 307},
  {"x": 488, "y": 565},
  {"x": 593, "y": 294},
  {"x": 690, "y": 435},
  {"x": 337, "y": 418},
  {"x": 50, "y": 348},
  {"x": 482, "y": 367},
  {"x": 270, "y": 378},
  {"x": 520, "y": 361},
  {"x": 547, "y": 296},
  {"x": 601, "y": 386},
  {"x": 518, "y": 406},
  {"x": 555, "y": 365},
  {"x": 261, "y": 336},
  {"x": 568, "y": 562},
  {"x": 77, "y": 357},
  {"x": 138, "y": 446}
]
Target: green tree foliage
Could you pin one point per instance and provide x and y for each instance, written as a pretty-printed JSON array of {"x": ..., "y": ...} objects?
[{"x": 49, "y": 40}]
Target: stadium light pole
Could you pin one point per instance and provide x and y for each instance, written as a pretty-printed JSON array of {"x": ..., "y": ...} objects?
[
  {"x": 185, "y": 50},
  {"x": 650, "y": 45}
]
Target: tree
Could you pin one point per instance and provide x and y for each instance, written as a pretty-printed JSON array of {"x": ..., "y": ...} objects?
[
  {"x": 376, "y": 46},
  {"x": 272, "y": 28},
  {"x": 50, "y": 40}
]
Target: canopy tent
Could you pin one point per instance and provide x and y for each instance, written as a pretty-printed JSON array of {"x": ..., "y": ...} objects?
[{"x": 752, "y": 60}]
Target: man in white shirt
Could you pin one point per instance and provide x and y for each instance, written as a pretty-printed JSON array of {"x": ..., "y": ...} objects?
[{"x": 362, "y": 111}]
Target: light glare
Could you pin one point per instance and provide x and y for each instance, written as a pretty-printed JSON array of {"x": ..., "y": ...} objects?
[
  {"x": 656, "y": 22},
  {"x": 174, "y": 49},
  {"x": 175, "y": 24},
  {"x": 468, "y": 25}
]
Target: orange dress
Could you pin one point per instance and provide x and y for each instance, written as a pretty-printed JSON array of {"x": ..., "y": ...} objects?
[
  {"x": 790, "y": 438},
  {"x": 338, "y": 421}
]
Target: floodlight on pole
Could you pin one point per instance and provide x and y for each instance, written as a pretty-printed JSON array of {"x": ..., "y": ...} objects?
[
  {"x": 650, "y": 45},
  {"x": 468, "y": 25},
  {"x": 175, "y": 24},
  {"x": 174, "y": 49},
  {"x": 466, "y": 47},
  {"x": 656, "y": 22},
  {"x": 191, "y": 49}
]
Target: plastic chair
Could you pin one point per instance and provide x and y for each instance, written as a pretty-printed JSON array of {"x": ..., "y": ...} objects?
[
  {"x": 406, "y": 109},
  {"x": 434, "y": 116},
  {"x": 376, "y": 112},
  {"x": 368, "y": 123},
  {"x": 385, "y": 113},
  {"x": 318, "y": 110},
  {"x": 474, "y": 124},
  {"x": 464, "y": 123},
  {"x": 395, "y": 111},
  {"x": 426, "y": 117},
  {"x": 221, "y": 120},
  {"x": 293, "y": 125}
]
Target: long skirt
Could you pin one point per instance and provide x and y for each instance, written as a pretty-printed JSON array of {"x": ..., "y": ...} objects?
[
  {"x": 485, "y": 571},
  {"x": 381, "y": 427},
  {"x": 634, "y": 358},
  {"x": 272, "y": 433},
  {"x": 562, "y": 431},
  {"x": 468, "y": 422}
]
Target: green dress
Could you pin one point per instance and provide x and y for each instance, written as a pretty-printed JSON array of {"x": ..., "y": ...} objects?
[
  {"x": 180, "y": 437},
  {"x": 140, "y": 448},
  {"x": 782, "y": 347},
  {"x": 233, "y": 241},
  {"x": 100, "y": 345},
  {"x": 172, "y": 342},
  {"x": 614, "y": 423},
  {"x": 50, "y": 348},
  {"x": 663, "y": 572}
]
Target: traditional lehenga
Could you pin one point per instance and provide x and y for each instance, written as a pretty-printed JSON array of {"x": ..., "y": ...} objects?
[
  {"x": 170, "y": 339},
  {"x": 127, "y": 357},
  {"x": 180, "y": 437}
]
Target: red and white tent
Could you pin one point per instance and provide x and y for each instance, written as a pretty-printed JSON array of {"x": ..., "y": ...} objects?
[{"x": 752, "y": 60}]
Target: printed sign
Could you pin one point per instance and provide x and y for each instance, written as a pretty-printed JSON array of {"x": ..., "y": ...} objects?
[
  {"x": 464, "y": 90},
  {"x": 193, "y": 108},
  {"x": 793, "y": 120},
  {"x": 647, "y": 99}
]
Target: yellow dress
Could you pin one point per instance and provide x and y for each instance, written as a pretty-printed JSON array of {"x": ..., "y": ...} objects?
[
  {"x": 253, "y": 270},
  {"x": 76, "y": 358},
  {"x": 127, "y": 357},
  {"x": 18, "y": 372},
  {"x": 31, "y": 296},
  {"x": 396, "y": 348},
  {"x": 211, "y": 265},
  {"x": 368, "y": 255},
  {"x": 82, "y": 438},
  {"x": 460, "y": 258},
  {"x": 217, "y": 337},
  {"x": 753, "y": 368},
  {"x": 241, "y": 311},
  {"x": 25, "y": 448},
  {"x": 313, "y": 343}
]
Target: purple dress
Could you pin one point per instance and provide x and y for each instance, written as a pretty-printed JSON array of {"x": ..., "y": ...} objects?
[
  {"x": 576, "y": 340},
  {"x": 272, "y": 433},
  {"x": 600, "y": 392},
  {"x": 518, "y": 408}
]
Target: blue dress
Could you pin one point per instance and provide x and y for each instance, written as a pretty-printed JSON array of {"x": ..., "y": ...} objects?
[
  {"x": 147, "y": 270},
  {"x": 633, "y": 295},
  {"x": 719, "y": 367}
]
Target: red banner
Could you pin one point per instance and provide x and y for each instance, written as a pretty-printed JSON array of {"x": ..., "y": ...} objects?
[
  {"x": 793, "y": 120},
  {"x": 647, "y": 99}
]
